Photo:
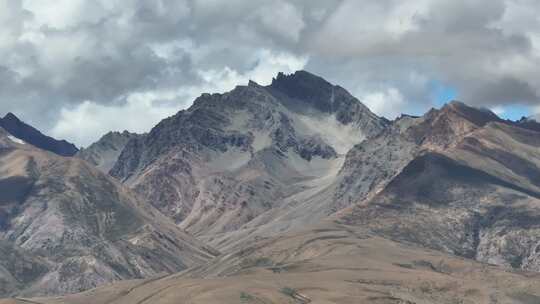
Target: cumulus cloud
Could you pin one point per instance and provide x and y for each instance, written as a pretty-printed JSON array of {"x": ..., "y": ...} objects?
[
  {"x": 72, "y": 67},
  {"x": 85, "y": 122},
  {"x": 389, "y": 103}
]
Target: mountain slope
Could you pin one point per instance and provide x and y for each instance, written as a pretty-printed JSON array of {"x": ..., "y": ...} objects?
[
  {"x": 471, "y": 188},
  {"x": 30, "y": 135},
  {"x": 79, "y": 227},
  {"x": 350, "y": 266},
  {"x": 104, "y": 153},
  {"x": 232, "y": 157}
]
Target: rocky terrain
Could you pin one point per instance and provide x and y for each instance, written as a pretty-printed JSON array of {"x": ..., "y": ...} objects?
[
  {"x": 206, "y": 169},
  {"x": 104, "y": 153},
  {"x": 305, "y": 194},
  {"x": 66, "y": 227},
  {"x": 235, "y": 156},
  {"x": 31, "y": 135},
  {"x": 477, "y": 190},
  {"x": 328, "y": 263}
]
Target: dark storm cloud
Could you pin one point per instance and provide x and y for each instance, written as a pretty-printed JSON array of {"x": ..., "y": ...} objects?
[{"x": 84, "y": 62}]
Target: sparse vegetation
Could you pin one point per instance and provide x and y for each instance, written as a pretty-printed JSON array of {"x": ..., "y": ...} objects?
[
  {"x": 291, "y": 292},
  {"x": 245, "y": 297},
  {"x": 257, "y": 262},
  {"x": 404, "y": 265}
]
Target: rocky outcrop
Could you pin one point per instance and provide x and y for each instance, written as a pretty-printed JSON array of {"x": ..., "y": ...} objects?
[
  {"x": 30, "y": 135},
  {"x": 104, "y": 153}
]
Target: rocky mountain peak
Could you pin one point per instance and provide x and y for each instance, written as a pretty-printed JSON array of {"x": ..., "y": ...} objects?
[
  {"x": 303, "y": 81},
  {"x": 31, "y": 135},
  {"x": 306, "y": 87},
  {"x": 252, "y": 83},
  {"x": 11, "y": 117},
  {"x": 477, "y": 116},
  {"x": 104, "y": 153},
  {"x": 528, "y": 123},
  {"x": 251, "y": 143}
]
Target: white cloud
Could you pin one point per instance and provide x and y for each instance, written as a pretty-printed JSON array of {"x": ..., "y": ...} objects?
[
  {"x": 61, "y": 14},
  {"x": 359, "y": 27},
  {"x": 388, "y": 103},
  {"x": 281, "y": 18},
  {"x": 536, "y": 113},
  {"x": 86, "y": 122},
  {"x": 499, "y": 110},
  {"x": 268, "y": 66}
]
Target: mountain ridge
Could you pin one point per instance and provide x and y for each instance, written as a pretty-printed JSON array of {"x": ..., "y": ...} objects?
[
  {"x": 105, "y": 152},
  {"x": 266, "y": 137},
  {"x": 31, "y": 135}
]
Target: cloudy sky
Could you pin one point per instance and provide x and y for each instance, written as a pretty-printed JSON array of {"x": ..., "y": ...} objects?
[{"x": 77, "y": 69}]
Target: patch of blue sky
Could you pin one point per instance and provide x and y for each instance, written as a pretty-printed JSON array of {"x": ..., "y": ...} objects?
[
  {"x": 442, "y": 94},
  {"x": 513, "y": 112}
]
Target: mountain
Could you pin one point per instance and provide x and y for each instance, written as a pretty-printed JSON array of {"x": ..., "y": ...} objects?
[
  {"x": 230, "y": 158},
  {"x": 292, "y": 181},
  {"x": 263, "y": 160},
  {"x": 466, "y": 183},
  {"x": 104, "y": 153},
  {"x": 468, "y": 175},
  {"x": 67, "y": 227},
  {"x": 29, "y": 134}
]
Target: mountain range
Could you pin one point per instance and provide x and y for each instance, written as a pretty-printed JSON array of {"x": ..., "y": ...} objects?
[{"x": 248, "y": 195}]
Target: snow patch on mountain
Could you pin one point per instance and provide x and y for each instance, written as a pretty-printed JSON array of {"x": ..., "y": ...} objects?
[{"x": 16, "y": 140}]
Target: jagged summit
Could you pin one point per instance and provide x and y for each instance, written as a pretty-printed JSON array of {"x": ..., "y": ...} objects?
[
  {"x": 31, "y": 135},
  {"x": 11, "y": 116},
  {"x": 309, "y": 88},
  {"x": 529, "y": 123},
  {"x": 301, "y": 80},
  {"x": 252, "y": 83},
  {"x": 104, "y": 153}
]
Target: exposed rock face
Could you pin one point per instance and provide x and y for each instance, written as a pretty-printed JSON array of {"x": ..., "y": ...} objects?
[
  {"x": 104, "y": 153},
  {"x": 232, "y": 157},
  {"x": 67, "y": 227},
  {"x": 471, "y": 187},
  {"x": 370, "y": 165},
  {"x": 18, "y": 267},
  {"x": 30, "y": 135}
]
